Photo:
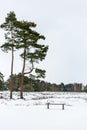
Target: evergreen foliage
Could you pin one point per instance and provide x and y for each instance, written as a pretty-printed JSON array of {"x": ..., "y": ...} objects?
[{"x": 2, "y": 85}]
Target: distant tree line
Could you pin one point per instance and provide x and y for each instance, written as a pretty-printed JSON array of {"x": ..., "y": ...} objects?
[{"x": 33, "y": 84}]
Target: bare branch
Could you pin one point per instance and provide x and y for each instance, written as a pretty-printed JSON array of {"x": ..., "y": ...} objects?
[{"x": 32, "y": 68}]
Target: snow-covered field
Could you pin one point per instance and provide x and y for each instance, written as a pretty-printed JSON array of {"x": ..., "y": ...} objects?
[{"x": 32, "y": 113}]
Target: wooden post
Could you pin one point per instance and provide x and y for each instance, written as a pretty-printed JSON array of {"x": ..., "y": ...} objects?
[
  {"x": 48, "y": 105},
  {"x": 62, "y": 106}
]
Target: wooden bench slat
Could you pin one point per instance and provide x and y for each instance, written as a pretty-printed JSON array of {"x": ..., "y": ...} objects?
[{"x": 48, "y": 104}]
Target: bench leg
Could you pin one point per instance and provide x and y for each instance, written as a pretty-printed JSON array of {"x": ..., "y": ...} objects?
[
  {"x": 47, "y": 105},
  {"x": 62, "y": 106}
]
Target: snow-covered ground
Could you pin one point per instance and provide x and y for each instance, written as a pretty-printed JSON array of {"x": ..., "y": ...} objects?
[{"x": 32, "y": 113}]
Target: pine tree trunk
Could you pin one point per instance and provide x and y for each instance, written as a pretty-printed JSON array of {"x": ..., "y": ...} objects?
[
  {"x": 22, "y": 76},
  {"x": 11, "y": 86},
  {"x": 21, "y": 90},
  {"x": 10, "y": 94},
  {"x": 21, "y": 94}
]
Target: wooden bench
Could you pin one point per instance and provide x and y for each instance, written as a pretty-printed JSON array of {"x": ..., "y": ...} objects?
[{"x": 62, "y": 104}]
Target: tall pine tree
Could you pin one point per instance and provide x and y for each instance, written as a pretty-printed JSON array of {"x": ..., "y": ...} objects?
[
  {"x": 33, "y": 52},
  {"x": 9, "y": 45}
]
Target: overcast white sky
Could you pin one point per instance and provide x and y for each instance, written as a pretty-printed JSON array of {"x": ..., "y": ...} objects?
[{"x": 64, "y": 24}]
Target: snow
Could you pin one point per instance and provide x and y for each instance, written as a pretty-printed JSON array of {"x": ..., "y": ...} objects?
[{"x": 32, "y": 113}]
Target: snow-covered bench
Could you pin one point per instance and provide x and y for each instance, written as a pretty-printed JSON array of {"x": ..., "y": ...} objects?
[{"x": 62, "y": 104}]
